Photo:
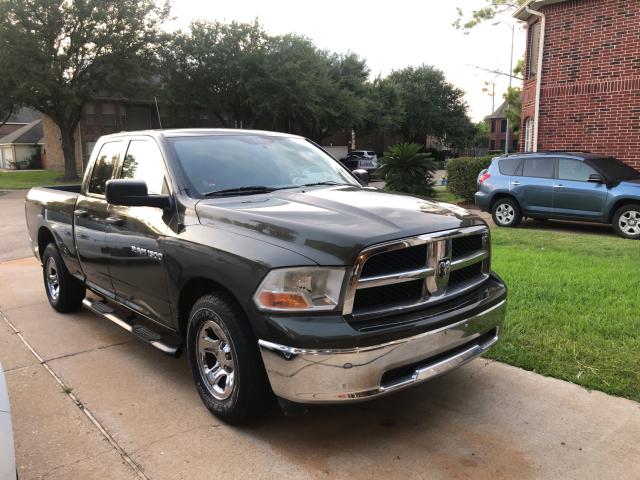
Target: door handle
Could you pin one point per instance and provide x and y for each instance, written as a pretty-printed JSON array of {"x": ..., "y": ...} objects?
[
  {"x": 81, "y": 213},
  {"x": 515, "y": 183},
  {"x": 115, "y": 221},
  {"x": 558, "y": 186}
]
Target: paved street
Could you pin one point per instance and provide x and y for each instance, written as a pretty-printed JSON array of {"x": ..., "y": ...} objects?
[{"x": 127, "y": 411}]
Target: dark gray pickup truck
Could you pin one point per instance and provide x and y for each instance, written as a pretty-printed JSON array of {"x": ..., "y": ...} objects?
[{"x": 273, "y": 265}]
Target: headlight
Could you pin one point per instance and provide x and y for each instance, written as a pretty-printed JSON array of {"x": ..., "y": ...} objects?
[{"x": 302, "y": 288}]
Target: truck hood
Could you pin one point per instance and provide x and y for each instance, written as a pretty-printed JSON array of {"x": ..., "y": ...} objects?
[{"x": 331, "y": 225}]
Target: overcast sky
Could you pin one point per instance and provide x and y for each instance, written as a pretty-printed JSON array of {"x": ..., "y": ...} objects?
[{"x": 390, "y": 35}]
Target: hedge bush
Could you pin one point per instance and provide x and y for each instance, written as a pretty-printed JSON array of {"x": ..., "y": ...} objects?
[{"x": 462, "y": 175}]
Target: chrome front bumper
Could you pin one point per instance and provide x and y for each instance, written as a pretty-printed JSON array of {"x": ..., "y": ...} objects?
[{"x": 335, "y": 376}]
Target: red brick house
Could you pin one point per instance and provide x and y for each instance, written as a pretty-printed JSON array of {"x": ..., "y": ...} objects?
[
  {"x": 581, "y": 86},
  {"x": 498, "y": 131}
]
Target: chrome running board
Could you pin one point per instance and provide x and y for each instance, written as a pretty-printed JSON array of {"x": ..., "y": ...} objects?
[{"x": 139, "y": 331}]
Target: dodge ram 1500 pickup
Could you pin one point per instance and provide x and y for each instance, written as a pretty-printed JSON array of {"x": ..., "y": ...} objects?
[{"x": 274, "y": 267}]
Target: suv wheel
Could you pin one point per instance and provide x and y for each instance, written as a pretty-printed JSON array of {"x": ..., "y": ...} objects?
[
  {"x": 626, "y": 221},
  {"x": 506, "y": 213},
  {"x": 225, "y": 361},
  {"x": 64, "y": 291}
]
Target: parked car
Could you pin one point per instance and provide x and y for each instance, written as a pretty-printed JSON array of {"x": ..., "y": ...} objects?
[
  {"x": 270, "y": 263},
  {"x": 361, "y": 160},
  {"x": 7, "y": 453},
  {"x": 565, "y": 186}
]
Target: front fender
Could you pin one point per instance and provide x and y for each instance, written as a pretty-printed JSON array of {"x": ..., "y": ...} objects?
[{"x": 234, "y": 261}]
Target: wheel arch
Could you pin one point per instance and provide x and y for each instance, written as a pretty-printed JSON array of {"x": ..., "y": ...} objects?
[
  {"x": 501, "y": 195},
  {"x": 45, "y": 237},
  {"x": 619, "y": 204},
  {"x": 191, "y": 291}
]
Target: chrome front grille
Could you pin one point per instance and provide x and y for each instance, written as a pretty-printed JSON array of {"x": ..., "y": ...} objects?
[{"x": 416, "y": 271}]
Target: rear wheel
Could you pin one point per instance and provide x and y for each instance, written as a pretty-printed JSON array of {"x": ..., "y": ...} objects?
[
  {"x": 225, "y": 361},
  {"x": 626, "y": 221},
  {"x": 506, "y": 213},
  {"x": 64, "y": 291}
]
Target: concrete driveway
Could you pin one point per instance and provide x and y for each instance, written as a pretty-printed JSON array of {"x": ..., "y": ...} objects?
[{"x": 89, "y": 401}]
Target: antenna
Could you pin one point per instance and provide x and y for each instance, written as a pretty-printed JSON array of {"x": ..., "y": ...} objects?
[{"x": 158, "y": 112}]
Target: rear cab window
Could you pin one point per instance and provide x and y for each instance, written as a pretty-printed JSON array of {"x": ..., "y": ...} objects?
[{"x": 103, "y": 167}]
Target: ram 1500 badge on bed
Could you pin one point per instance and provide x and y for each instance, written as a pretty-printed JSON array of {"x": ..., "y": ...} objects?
[{"x": 269, "y": 262}]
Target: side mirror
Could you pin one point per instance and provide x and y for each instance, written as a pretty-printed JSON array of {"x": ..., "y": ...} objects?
[
  {"x": 596, "y": 178},
  {"x": 133, "y": 193},
  {"x": 362, "y": 176}
]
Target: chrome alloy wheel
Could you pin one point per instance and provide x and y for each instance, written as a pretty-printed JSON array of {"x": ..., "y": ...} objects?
[
  {"x": 53, "y": 282},
  {"x": 505, "y": 213},
  {"x": 629, "y": 222},
  {"x": 215, "y": 360}
]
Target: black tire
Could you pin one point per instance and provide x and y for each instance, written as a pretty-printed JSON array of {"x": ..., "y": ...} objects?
[
  {"x": 626, "y": 221},
  {"x": 506, "y": 213},
  {"x": 250, "y": 393},
  {"x": 69, "y": 293}
]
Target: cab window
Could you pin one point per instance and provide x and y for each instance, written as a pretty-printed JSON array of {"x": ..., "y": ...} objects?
[
  {"x": 574, "y": 170},
  {"x": 103, "y": 167},
  {"x": 143, "y": 161}
]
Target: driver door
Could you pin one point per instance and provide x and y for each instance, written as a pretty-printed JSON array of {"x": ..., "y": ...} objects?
[{"x": 136, "y": 236}]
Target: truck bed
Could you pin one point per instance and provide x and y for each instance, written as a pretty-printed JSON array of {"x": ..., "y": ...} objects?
[{"x": 53, "y": 207}]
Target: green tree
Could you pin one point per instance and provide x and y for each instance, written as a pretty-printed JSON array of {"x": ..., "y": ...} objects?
[
  {"x": 216, "y": 65},
  {"x": 489, "y": 10},
  {"x": 431, "y": 106},
  {"x": 61, "y": 54},
  {"x": 405, "y": 169},
  {"x": 247, "y": 78},
  {"x": 513, "y": 98},
  {"x": 481, "y": 134},
  {"x": 385, "y": 110}
]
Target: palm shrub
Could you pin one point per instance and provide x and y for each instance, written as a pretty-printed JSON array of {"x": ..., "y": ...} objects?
[{"x": 405, "y": 169}]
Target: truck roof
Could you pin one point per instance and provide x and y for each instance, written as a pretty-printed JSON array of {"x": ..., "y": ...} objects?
[{"x": 185, "y": 132}]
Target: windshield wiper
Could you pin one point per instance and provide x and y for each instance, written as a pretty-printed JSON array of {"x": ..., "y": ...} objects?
[
  {"x": 328, "y": 182},
  {"x": 249, "y": 190}
]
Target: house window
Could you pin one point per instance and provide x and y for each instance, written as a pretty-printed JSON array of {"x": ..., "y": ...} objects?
[
  {"x": 503, "y": 144},
  {"x": 492, "y": 145},
  {"x": 528, "y": 135},
  {"x": 533, "y": 48},
  {"x": 108, "y": 115},
  {"x": 493, "y": 126},
  {"x": 503, "y": 126}
]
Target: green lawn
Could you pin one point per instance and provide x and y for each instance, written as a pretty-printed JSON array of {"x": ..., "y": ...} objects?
[
  {"x": 28, "y": 179},
  {"x": 574, "y": 307},
  {"x": 443, "y": 195}
]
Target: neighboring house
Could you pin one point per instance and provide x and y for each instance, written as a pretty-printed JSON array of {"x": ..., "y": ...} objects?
[
  {"x": 24, "y": 116},
  {"x": 110, "y": 115},
  {"x": 22, "y": 148},
  {"x": 582, "y": 77},
  {"x": 498, "y": 131}
]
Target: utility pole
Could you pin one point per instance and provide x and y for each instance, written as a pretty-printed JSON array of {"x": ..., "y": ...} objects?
[{"x": 513, "y": 31}]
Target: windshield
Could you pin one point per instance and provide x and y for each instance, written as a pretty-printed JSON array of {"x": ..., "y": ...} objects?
[
  {"x": 250, "y": 162},
  {"x": 613, "y": 169}
]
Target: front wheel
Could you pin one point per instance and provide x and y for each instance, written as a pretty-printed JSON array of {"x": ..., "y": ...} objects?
[
  {"x": 64, "y": 292},
  {"x": 626, "y": 221},
  {"x": 506, "y": 213},
  {"x": 225, "y": 361}
]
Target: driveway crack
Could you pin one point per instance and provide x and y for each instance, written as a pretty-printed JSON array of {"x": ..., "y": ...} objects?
[{"x": 125, "y": 456}]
